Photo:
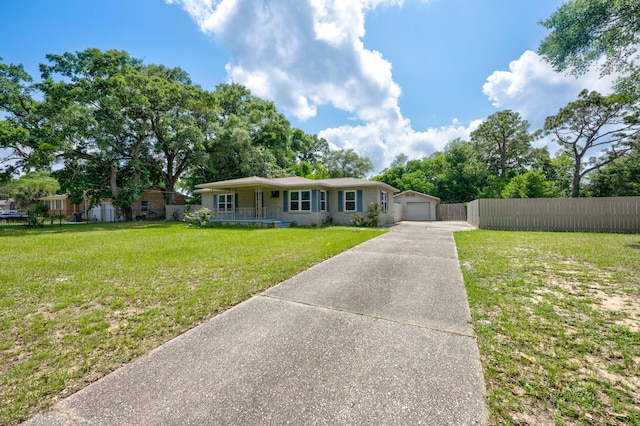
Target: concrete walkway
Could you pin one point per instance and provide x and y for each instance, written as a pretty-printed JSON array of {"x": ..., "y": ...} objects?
[{"x": 379, "y": 334}]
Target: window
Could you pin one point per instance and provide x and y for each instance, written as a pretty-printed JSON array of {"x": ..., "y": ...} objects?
[
  {"x": 323, "y": 201},
  {"x": 58, "y": 204},
  {"x": 350, "y": 201},
  {"x": 144, "y": 206},
  {"x": 48, "y": 204},
  {"x": 225, "y": 203},
  {"x": 300, "y": 201},
  {"x": 275, "y": 194},
  {"x": 384, "y": 200}
]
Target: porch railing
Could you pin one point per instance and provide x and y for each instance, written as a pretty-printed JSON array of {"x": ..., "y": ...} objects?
[{"x": 249, "y": 213}]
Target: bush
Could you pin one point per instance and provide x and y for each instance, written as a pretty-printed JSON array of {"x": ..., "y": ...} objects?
[
  {"x": 358, "y": 220},
  {"x": 373, "y": 217},
  {"x": 199, "y": 217}
]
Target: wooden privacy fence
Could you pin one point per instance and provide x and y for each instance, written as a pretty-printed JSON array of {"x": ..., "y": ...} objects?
[
  {"x": 614, "y": 214},
  {"x": 451, "y": 212}
]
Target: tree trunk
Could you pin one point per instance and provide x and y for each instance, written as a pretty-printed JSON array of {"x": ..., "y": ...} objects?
[{"x": 575, "y": 187}]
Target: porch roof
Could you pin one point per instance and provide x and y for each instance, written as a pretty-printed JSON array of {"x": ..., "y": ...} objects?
[{"x": 289, "y": 182}]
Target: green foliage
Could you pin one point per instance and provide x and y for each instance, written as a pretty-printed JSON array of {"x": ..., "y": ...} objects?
[
  {"x": 529, "y": 185},
  {"x": 35, "y": 219},
  {"x": 616, "y": 179},
  {"x": 199, "y": 217},
  {"x": 29, "y": 188},
  {"x": 358, "y": 220},
  {"x": 372, "y": 220},
  {"x": 504, "y": 143},
  {"x": 27, "y": 125},
  {"x": 593, "y": 131},
  {"x": 246, "y": 137},
  {"x": 347, "y": 163},
  {"x": 583, "y": 31}
]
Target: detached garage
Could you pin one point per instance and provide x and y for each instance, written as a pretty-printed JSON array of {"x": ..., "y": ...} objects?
[{"x": 415, "y": 206}]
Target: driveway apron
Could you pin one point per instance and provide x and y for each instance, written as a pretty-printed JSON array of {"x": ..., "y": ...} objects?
[{"x": 380, "y": 334}]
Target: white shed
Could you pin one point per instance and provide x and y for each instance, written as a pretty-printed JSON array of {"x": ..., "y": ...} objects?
[{"x": 416, "y": 206}]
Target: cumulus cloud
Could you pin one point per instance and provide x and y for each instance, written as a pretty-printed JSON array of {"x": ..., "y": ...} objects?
[
  {"x": 304, "y": 54},
  {"x": 532, "y": 88}
]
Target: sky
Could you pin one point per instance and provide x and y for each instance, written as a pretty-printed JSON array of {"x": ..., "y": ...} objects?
[{"x": 382, "y": 77}]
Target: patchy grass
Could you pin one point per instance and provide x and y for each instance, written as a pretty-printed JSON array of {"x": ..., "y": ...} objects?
[
  {"x": 79, "y": 301},
  {"x": 558, "y": 322}
]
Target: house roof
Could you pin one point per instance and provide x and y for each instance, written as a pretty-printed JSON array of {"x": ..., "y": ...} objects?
[
  {"x": 417, "y": 193},
  {"x": 54, "y": 197},
  {"x": 289, "y": 182}
]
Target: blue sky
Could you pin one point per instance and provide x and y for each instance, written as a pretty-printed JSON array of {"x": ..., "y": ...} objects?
[{"x": 383, "y": 77}]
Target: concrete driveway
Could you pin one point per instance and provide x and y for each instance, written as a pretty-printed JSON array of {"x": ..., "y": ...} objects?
[{"x": 380, "y": 334}]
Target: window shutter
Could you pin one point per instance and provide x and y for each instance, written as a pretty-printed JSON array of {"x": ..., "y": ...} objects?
[
  {"x": 285, "y": 203},
  {"x": 215, "y": 201},
  {"x": 235, "y": 196},
  {"x": 340, "y": 201},
  {"x": 359, "y": 200},
  {"x": 314, "y": 201}
]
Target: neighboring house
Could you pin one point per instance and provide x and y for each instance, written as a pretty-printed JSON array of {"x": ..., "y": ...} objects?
[
  {"x": 415, "y": 206},
  {"x": 150, "y": 206},
  {"x": 8, "y": 204},
  {"x": 60, "y": 204},
  {"x": 297, "y": 199}
]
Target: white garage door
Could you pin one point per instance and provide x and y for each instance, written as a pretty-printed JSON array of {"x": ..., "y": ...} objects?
[{"x": 417, "y": 211}]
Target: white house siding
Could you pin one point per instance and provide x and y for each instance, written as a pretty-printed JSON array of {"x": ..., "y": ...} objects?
[
  {"x": 274, "y": 205},
  {"x": 370, "y": 195},
  {"x": 207, "y": 200}
]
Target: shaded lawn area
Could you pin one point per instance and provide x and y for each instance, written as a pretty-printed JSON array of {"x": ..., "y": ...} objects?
[
  {"x": 558, "y": 322},
  {"x": 79, "y": 301}
]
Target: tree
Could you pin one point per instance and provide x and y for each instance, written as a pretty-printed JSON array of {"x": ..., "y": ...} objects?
[
  {"x": 459, "y": 175},
  {"x": 311, "y": 151},
  {"x": 32, "y": 186},
  {"x": 26, "y": 128},
  {"x": 619, "y": 178},
  {"x": 104, "y": 118},
  {"x": 531, "y": 184},
  {"x": 247, "y": 136},
  {"x": 583, "y": 31},
  {"x": 602, "y": 126},
  {"x": 347, "y": 163},
  {"x": 178, "y": 119},
  {"x": 504, "y": 143}
]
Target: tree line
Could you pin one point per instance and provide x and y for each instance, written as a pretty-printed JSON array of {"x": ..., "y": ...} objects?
[
  {"x": 598, "y": 135},
  {"x": 109, "y": 125}
]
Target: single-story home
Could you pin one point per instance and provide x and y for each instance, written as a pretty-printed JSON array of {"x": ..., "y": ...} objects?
[
  {"x": 296, "y": 199},
  {"x": 152, "y": 203},
  {"x": 415, "y": 206},
  {"x": 8, "y": 204},
  {"x": 150, "y": 206}
]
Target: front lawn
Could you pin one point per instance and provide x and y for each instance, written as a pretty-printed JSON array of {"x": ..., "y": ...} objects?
[
  {"x": 558, "y": 322},
  {"x": 78, "y": 301}
]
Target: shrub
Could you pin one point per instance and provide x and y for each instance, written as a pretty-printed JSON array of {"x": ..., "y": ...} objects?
[
  {"x": 373, "y": 217},
  {"x": 358, "y": 220},
  {"x": 199, "y": 217}
]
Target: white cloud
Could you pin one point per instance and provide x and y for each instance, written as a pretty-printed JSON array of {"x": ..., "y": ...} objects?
[
  {"x": 304, "y": 54},
  {"x": 383, "y": 140},
  {"x": 532, "y": 88}
]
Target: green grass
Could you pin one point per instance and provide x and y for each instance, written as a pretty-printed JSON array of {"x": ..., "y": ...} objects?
[
  {"x": 79, "y": 301},
  {"x": 558, "y": 322}
]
